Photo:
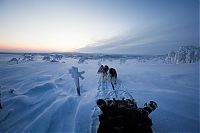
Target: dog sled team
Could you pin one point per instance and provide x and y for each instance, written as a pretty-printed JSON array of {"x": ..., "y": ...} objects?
[
  {"x": 122, "y": 116},
  {"x": 108, "y": 74}
]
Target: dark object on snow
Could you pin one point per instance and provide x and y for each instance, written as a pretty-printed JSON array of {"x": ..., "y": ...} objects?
[
  {"x": 113, "y": 73},
  {"x": 12, "y": 90},
  {"x": 123, "y": 116},
  {"x": 113, "y": 76},
  {"x": 100, "y": 69},
  {"x": 104, "y": 71}
]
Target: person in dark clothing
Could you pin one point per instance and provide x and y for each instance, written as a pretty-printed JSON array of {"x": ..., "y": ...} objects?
[{"x": 123, "y": 116}]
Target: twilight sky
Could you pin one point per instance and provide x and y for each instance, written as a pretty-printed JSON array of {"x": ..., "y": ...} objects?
[{"x": 105, "y": 26}]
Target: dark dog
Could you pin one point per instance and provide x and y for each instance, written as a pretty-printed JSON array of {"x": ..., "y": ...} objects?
[
  {"x": 100, "y": 69},
  {"x": 123, "y": 116},
  {"x": 113, "y": 75}
]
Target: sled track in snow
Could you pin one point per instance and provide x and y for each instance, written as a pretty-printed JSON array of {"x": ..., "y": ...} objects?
[{"x": 104, "y": 87}]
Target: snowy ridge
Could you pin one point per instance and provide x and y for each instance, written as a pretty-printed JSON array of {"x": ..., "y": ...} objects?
[{"x": 185, "y": 54}]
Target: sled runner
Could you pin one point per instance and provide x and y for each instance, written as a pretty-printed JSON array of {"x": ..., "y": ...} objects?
[{"x": 121, "y": 114}]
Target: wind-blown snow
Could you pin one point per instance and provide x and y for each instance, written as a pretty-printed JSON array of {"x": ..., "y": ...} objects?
[{"x": 45, "y": 100}]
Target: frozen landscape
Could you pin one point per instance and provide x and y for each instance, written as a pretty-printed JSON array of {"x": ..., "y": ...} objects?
[
  {"x": 51, "y": 51},
  {"x": 38, "y": 93}
]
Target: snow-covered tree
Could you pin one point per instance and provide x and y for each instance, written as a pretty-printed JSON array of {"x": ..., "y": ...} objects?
[
  {"x": 171, "y": 57},
  {"x": 47, "y": 58},
  {"x": 82, "y": 60},
  {"x": 13, "y": 61},
  {"x": 28, "y": 57},
  {"x": 185, "y": 54},
  {"x": 53, "y": 57}
]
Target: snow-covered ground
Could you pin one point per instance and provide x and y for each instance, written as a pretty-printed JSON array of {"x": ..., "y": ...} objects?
[{"x": 45, "y": 99}]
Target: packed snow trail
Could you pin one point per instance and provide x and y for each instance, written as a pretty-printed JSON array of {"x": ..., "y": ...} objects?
[
  {"x": 101, "y": 93},
  {"x": 104, "y": 87}
]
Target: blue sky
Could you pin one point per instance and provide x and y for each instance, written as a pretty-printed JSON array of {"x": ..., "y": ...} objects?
[{"x": 107, "y": 26}]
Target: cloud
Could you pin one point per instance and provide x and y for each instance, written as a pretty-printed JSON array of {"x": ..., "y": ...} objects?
[{"x": 151, "y": 40}]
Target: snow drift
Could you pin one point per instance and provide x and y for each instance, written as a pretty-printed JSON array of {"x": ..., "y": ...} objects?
[{"x": 44, "y": 96}]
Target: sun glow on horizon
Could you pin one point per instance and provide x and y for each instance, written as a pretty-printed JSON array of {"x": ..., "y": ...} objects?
[
  {"x": 46, "y": 37},
  {"x": 68, "y": 25},
  {"x": 56, "y": 26}
]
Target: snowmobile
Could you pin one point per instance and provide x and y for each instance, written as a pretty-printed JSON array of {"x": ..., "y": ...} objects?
[{"x": 121, "y": 114}]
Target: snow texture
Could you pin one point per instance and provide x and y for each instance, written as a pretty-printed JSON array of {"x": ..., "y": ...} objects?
[{"x": 40, "y": 96}]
